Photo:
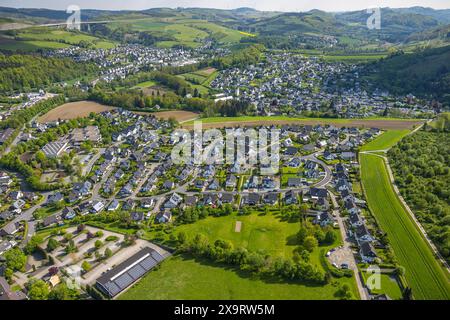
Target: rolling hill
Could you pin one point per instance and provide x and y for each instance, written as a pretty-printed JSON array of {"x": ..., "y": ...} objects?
[{"x": 424, "y": 73}]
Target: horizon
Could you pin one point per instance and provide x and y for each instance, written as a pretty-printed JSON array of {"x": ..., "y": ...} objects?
[{"x": 262, "y": 5}]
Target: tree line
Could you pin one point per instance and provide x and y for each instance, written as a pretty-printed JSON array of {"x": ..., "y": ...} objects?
[{"x": 421, "y": 166}]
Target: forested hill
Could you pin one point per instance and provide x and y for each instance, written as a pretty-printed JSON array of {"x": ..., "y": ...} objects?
[
  {"x": 19, "y": 72},
  {"x": 424, "y": 74}
]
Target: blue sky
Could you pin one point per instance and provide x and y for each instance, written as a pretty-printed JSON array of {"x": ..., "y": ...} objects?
[{"x": 269, "y": 5}]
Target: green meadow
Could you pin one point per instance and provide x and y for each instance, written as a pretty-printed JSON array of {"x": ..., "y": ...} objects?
[
  {"x": 182, "y": 278},
  {"x": 386, "y": 140}
]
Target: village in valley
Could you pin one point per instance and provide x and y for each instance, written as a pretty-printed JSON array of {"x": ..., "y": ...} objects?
[{"x": 132, "y": 177}]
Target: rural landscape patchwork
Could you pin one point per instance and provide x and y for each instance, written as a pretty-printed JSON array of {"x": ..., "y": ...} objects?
[{"x": 188, "y": 153}]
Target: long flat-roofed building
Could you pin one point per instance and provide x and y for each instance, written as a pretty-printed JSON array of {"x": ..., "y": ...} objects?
[
  {"x": 55, "y": 149},
  {"x": 128, "y": 272}
]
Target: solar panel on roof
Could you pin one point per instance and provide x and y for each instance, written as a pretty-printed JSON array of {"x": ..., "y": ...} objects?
[
  {"x": 112, "y": 288},
  {"x": 148, "y": 263},
  {"x": 157, "y": 256},
  {"x": 123, "y": 281},
  {"x": 136, "y": 272}
]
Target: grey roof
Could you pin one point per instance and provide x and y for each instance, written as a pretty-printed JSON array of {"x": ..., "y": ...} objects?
[{"x": 121, "y": 277}]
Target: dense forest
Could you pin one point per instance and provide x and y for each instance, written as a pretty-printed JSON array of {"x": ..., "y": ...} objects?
[
  {"x": 420, "y": 163},
  {"x": 25, "y": 72}
]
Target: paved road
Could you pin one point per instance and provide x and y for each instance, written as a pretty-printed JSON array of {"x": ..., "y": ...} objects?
[
  {"x": 27, "y": 216},
  {"x": 347, "y": 247}
]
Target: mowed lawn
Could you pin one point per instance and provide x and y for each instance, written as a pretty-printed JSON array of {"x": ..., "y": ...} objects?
[
  {"x": 386, "y": 140},
  {"x": 389, "y": 286},
  {"x": 264, "y": 232},
  {"x": 422, "y": 271},
  {"x": 179, "y": 278}
]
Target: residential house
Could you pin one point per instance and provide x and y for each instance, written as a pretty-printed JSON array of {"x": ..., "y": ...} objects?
[
  {"x": 251, "y": 199},
  {"x": 164, "y": 217},
  {"x": 147, "y": 203},
  {"x": 137, "y": 216},
  {"x": 362, "y": 234},
  {"x": 323, "y": 219},
  {"x": 174, "y": 201},
  {"x": 190, "y": 201},
  {"x": 294, "y": 182},
  {"x": 97, "y": 207},
  {"x": 231, "y": 181},
  {"x": 367, "y": 252},
  {"x": 53, "y": 219},
  {"x": 291, "y": 197},
  {"x": 114, "y": 205},
  {"x": 214, "y": 185},
  {"x": 271, "y": 198},
  {"x": 226, "y": 198}
]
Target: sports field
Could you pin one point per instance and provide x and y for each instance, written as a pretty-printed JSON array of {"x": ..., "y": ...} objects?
[
  {"x": 73, "y": 110},
  {"x": 422, "y": 271}
]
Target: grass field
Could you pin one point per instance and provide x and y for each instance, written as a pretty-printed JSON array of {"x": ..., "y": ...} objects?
[
  {"x": 201, "y": 79},
  {"x": 265, "y": 232},
  {"x": 389, "y": 286},
  {"x": 73, "y": 110},
  {"x": 382, "y": 123},
  {"x": 179, "y": 278},
  {"x": 353, "y": 58},
  {"x": 32, "y": 45},
  {"x": 145, "y": 84},
  {"x": 257, "y": 232},
  {"x": 422, "y": 271},
  {"x": 385, "y": 141}
]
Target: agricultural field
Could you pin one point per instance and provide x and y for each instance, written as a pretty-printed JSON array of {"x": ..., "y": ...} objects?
[
  {"x": 336, "y": 57},
  {"x": 353, "y": 58},
  {"x": 422, "y": 271},
  {"x": 386, "y": 140},
  {"x": 73, "y": 110},
  {"x": 385, "y": 123},
  {"x": 220, "y": 282},
  {"x": 32, "y": 45},
  {"x": 38, "y": 38},
  {"x": 185, "y": 32},
  {"x": 178, "y": 115}
]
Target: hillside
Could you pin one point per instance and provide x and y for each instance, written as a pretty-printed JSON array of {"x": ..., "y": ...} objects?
[
  {"x": 425, "y": 73},
  {"x": 314, "y": 21},
  {"x": 349, "y": 28}
]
